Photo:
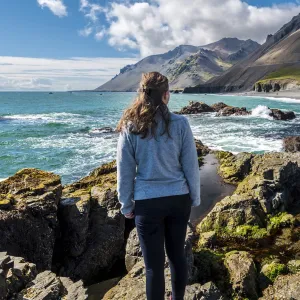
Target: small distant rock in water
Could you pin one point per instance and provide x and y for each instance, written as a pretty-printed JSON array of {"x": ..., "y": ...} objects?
[
  {"x": 218, "y": 106},
  {"x": 195, "y": 108},
  {"x": 292, "y": 144},
  {"x": 278, "y": 114},
  {"x": 231, "y": 110}
]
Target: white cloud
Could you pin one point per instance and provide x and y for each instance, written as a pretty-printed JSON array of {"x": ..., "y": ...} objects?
[
  {"x": 86, "y": 31},
  {"x": 91, "y": 10},
  {"x": 100, "y": 34},
  {"x": 22, "y": 73},
  {"x": 160, "y": 25},
  {"x": 56, "y": 6}
]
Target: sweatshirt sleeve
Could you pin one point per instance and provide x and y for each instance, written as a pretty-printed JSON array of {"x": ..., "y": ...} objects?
[
  {"x": 126, "y": 171},
  {"x": 189, "y": 162}
]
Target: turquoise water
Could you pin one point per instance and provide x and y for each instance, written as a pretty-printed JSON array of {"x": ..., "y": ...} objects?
[{"x": 58, "y": 132}]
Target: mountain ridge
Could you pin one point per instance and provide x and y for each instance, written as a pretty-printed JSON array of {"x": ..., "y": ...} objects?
[
  {"x": 184, "y": 65},
  {"x": 280, "y": 51}
]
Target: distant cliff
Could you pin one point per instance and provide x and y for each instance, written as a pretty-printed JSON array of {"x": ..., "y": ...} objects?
[
  {"x": 185, "y": 65},
  {"x": 278, "y": 58}
]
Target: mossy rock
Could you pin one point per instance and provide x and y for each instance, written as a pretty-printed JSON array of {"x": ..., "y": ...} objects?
[
  {"x": 234, "y": 168},
  {"x": 211, "y": 268},
  {"x": 29, "y": 181},
  {"x": 231, "y": 212},
  {"x": 270, "y": 272},
  {"x": 294, "y": 266},
  {"x": 105, "y": 176}
]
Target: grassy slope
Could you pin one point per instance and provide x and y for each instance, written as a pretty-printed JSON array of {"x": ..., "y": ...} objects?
[{"x": 283, "y": 74}]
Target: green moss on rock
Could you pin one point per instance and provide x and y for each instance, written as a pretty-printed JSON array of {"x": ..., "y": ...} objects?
[{"x": 274, "y": 269}]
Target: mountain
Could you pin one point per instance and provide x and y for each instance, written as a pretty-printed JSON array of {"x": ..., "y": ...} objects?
[
  {"x": 186, "y": 65},
  {"x": 275, "y": 65}
]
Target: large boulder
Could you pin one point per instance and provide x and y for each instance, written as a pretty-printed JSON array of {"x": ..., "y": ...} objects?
[
  {"x": 242, "y": 274},
  {"x": 92, "y": 226},
  {"x": 28, "y": 215},
  {"x": 291, "y": 144},
  {"x": 284, "y": 287},
  {"x": 195, "y": 108}
]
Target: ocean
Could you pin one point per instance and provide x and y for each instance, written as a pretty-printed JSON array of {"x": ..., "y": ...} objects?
[{"x": 59, "y": 132}]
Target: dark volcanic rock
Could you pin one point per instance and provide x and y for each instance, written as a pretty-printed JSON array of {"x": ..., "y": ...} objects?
[
  {"x": 28, "y": 215},
  {"x": 235, "y": 111},
  {"x": 292, "y": 144},
  {"x": 196, "y": 108},
  {"x": 218, "y": 106},
  {"x": 281, "y": 115}
]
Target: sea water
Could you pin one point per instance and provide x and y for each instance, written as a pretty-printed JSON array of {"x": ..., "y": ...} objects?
[{"x": 60, "y": 132}]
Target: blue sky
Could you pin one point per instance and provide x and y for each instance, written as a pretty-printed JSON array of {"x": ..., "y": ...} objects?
[{"x": 60, "y": 44}]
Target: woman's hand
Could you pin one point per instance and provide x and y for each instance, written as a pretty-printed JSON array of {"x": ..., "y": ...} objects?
[{"x": 130, "y": 215}]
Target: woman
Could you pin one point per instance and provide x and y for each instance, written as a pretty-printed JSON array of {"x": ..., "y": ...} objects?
[{"x": 158, "y": 182}]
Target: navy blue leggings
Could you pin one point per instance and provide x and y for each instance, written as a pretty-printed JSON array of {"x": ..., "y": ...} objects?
[{"x": 163, "y": 221}]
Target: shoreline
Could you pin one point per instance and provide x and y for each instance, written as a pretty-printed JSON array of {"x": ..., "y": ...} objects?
[
  {"x": 288, "y": 94},
  {"x": 213, "y": 188}
]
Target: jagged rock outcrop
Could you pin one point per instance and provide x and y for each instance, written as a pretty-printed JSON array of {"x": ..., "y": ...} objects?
[
  {"x": 271, "y": 187},
  {"x": 19, "y": 280},
  {"x": 28, "y": 215},
  {"x": 291, "y": 144},
  {"x": 93, "y": 226}
]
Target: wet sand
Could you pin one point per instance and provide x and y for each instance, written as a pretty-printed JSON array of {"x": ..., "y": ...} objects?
[
  {"x": 292, "y": 94},
  {"x": 213, "y": 189}
]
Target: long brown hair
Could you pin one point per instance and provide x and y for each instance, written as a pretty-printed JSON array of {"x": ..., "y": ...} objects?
[{"x": 139, "y": 118}]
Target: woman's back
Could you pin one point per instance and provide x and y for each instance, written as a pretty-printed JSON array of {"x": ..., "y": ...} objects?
[{"x": 161, "y": 165}]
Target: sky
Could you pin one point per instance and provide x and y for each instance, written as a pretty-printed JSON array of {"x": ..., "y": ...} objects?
[{"x": 80, "y": 44}]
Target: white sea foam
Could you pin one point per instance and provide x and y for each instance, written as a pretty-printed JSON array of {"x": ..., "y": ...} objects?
[
  {"x": 283, "y": 99},
  {"x": 51, "y": 117},
  {"x": 2, "y": 179},
  {"x": 262, "y": 111}
]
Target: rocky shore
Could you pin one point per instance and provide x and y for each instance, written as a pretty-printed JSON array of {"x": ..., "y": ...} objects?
[
  {"x": 223, "y": 110},
  {"x": 56, "y": 240}
]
